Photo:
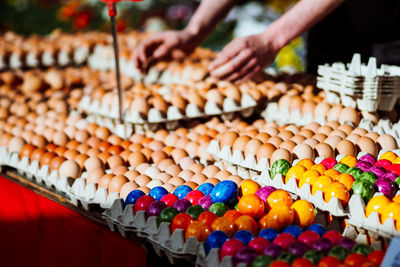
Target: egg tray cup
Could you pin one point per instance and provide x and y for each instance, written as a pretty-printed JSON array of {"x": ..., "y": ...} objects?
[
  {"x": 172, "y": 245},
  {"x": 46, "y": 58},
  {"x": 155, "y": 116},
  {"x": 363, "y": 236}
]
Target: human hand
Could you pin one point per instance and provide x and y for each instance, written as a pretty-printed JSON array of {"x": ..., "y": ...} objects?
[
  {"x": 161, "y": 46},
  {"x": 244, "y": 57}
]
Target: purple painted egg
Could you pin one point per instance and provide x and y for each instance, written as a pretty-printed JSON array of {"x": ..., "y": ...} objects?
[
  {"x": 264, "y": 192},
  {"x": 390, "y": 176},
  {"x": 368, "y": 158},
  {"x": 205, "y": 202},
  {"x": 245, "y": 255},
  {"x": 347, "y": 243},
  {"x": 298, "y": 248},
  {"x": 379, "y": 171},
  {"x": 323, "y": 244},
  {"x": 182, "y": 205},
  {"x": 363, "y": 165},
  {"x": 387, "y": 187},
  {"x": 156, "y": 208},
  {"x": 273, "y": 251}
]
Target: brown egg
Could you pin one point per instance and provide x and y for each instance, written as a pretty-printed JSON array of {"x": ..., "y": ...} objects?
[
  {"x": 136, "y": 158},
  {"x": 285, "y": 135},
  {"x": 83, "y": 148},
  {"x": 51, "y": 147},
  {"x": 93, "y": 163},
  {"x": 280, "y": 154},
  {"x": 38, "y": 141},
  {"x": 115, "y": 150},
  {"x": 322, "y": 109},
  {"x": 146, "y": 152},
  {"x": 93, "y": 152},
  {"x": 367, "y": 145},
  {"x": 319, "y": 137},
  {"x": 222, "y": 175},
  {"x": 144, "y": 189},
  {"x": 103, "y": 146},
  {"x": 164, "y": 177},
  {"x": 275, "y": 141},
  {"x": 160, "y": 135},
  {"x": 306, "y": 133},
  {"x": 102, "y": 133},
  {"x": 5, "y": 139},
  {"x": 293, "y": 129},
  {"x": 359, "y": 131},
  {"x": 27, "y": 151},
  {"x": 60, "y": 150},
  {"x": 198, "y": 178},
  {"x": 37, "y": 154},
  {"x": 93, "y": 141},
  {"x": 127, "y": 188},
  {"x": 125, "y": 144},
  {"x": 311, "y": 142},
  {"x": 186, "y": 175},
  {"x": 296, "y": 102},
  {"x": 303, "y": 151},
  {"x": 372, "y": 135},
  {"x": 386, "y": 141},
  {"x": 308, "y": 107},
  {"x": 333, "y": 141},
  {"x": 333, "y": 114},
  {"x": 263, "y": 137},
  {"x": 142, "y": 168},
  {"x": 95, "y": 175},
  {"x": 345, "y": 128},
  {"x": 235, "y": 178},
  {"x": 120, "y": 170},
  {"x": 191, "y": 184},
  {"x": 252, "y": 147},
  {"x": 265, "y": 151},
  {"x": 176, "y": 181},
  {"x": 210, "y": 171},
  {"x": 240, "y": 143},
  {"x": 104, "y": 157},
  {"x": 70, "y": 168},
  {"x": 272, "y": 131},
  {"x": 82, "y": 137},
  {"x": 212, "y": 181},
  {"x": 196, "y": 168},
  {"x": 324, "y": 150},
  {"x": 298, "y": 139},
  {"x": 346, "y": 147},
  {"x": 60, "y": 138},
  {"x": 371, "y": 116},
  {"x": 131, "y": 175},
  {"x": 353, "y": 138},
  {"x": 158, "y": 145},
  {"x": 228, "y": 139},
  {"x": 178, "y": 154},
  {"x": 70, "y": 154},
  {"x": 116, "y": 183},
  {"x": 56, "y": 163},
  {"x": 333, "y": 124},
  {"x": 114, "y": 140},
  {"x": 46, "y": 158},
  {"x": 80, "y": 159},
  {"x": 338, "y": 133},
  {"x": 73, "y": 144},
  {"x": 326, "y": 130},
  {"x": 158, "y": 156},
  {"x": 142, "y": 180},
  {"x": 105, "y": 180},
  {"x": 186, "y": 162},
  {"x": 169, "y": 187},
  {"x": 165, "y": 163},
  {"x": 173, "y": 170},
  {"x": 288, "y": 145},
  {"x": 348, "y": 114}
]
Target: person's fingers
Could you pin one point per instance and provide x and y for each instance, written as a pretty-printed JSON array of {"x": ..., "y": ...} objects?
[
  {"x": 230, "y": 51},
  {"x": 232, "y": 65},
  {"x": 162, "y": 51},
  {"x": 243, "y": 70},
  {"x": 255, "y": 70}
]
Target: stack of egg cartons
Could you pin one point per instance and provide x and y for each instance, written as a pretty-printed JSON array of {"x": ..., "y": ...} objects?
[{"x": 358, "y": 85}]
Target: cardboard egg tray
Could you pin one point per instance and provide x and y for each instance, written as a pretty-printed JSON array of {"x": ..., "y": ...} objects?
[
  {"x": 363, "y": 236},
  {"x": 47, "y": 58},
  {"x": 284, "y": 116},
  {"x": 358, "y": 85},
  {"x": 35, "y": 172},
  {"x": 155, "y": 116},
  {"x": 122, "y": 218}
]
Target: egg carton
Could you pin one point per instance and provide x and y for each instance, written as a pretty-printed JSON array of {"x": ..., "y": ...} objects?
[
  {"x": 155, "y": 116},
  {"x": 46, "y": 58},
  {"x": 172, "y": 245}
]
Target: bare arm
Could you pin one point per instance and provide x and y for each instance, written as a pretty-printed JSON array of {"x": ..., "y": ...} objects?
[
  {"x": 160, "y": 46},
  {"x": 244, "y": 57}
]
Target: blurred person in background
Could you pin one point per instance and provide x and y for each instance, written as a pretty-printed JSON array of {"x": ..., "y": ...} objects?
[{"x": 336, "y": 30}]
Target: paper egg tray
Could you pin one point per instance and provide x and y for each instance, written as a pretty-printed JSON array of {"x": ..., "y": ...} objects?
[
  {"x": 172, "y": 245},
  {"x": 358, "y": 85},
  {"x": 155, "y": 116},
  {"x": 363, "y": 236},
  {"x": 32, "y": 171},
  {"x": 46, "y": 58},
  {"x": 283, "y": 116}
]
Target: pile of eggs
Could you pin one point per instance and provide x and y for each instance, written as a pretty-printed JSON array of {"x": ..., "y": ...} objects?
[
  {"x": 364, "y": 176},
  {"x": 268, "y": 140}
]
